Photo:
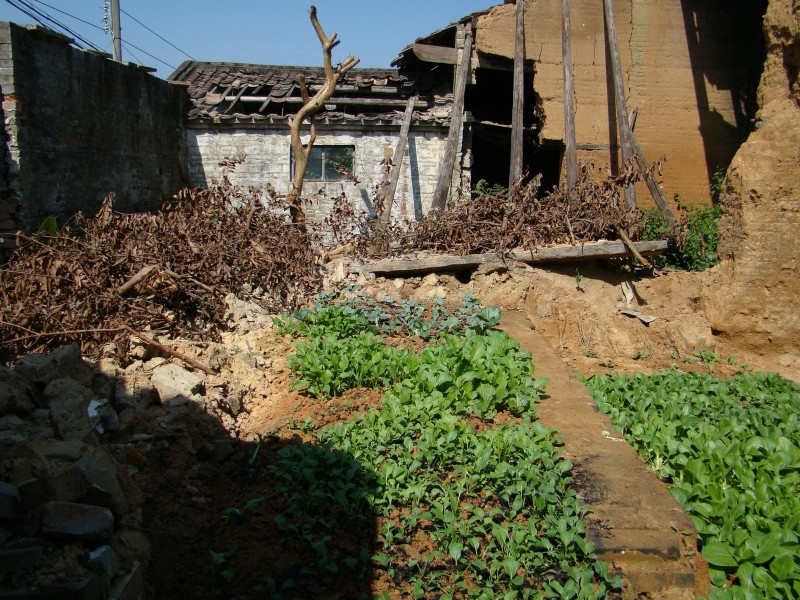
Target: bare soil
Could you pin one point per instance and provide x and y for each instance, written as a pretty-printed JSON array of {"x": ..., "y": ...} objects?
[{"x": 200, "y": 464}]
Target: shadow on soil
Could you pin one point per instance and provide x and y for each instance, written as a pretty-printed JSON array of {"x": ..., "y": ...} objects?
[{"x": 274, "y": 518}]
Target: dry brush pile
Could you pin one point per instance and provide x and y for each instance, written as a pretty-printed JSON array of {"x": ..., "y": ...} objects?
[
  {"x": 523, "y": 219},
  {"x": 103, "y": 278}
]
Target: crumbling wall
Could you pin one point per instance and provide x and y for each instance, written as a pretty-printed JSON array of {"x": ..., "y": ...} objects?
[
  {"x": 268, "y": 161},
  {"x": 752, "y": 300},
  {"x": 687, "y": 68},
  {"x": 78, "y": 126}
]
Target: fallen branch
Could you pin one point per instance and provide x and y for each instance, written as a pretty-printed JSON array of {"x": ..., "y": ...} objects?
[
  {"x": 143, "y": 273},
  {"x": 636, "y": 254},
  {"x": 174, "y": 353}
]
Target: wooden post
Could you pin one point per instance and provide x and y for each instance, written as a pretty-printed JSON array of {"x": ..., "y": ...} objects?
[
  {"x": 397, "y": 161},
  {"x": 517, "y": 114},
  {"x": 456, "y": 115},
  {"x": 569, "y": 95},
  {"x": 625, "y": 136},
  {"x": 652, "y": 185}
]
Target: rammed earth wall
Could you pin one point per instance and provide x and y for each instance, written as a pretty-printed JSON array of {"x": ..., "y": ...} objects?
[{"x": 78, "y": 126}]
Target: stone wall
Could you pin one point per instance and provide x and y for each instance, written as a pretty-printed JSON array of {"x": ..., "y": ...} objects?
[
  {"x": 268, "y": 157},
  {"x": 689, "y": 67},
  {"x": 752, "y": 298},
  {"x": 78, "y": 126}
]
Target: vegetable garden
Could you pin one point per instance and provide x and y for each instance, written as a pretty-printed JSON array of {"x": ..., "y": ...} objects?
[
  {"x": 731, "y": 451},
  {"x": 470, "y": 494}
]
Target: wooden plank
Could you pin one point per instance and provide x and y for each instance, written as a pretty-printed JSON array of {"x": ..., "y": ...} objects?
[
  {"x": 569, "y": 95},
  {"x": 435, "y": 54},
  {"x": 517, "y": 103},
  {"x": 555, "y": 254},
  {"x": 449, "y": 160},
  {"x": 619, "y": 94},
  {"x": 397, "y": 161}
]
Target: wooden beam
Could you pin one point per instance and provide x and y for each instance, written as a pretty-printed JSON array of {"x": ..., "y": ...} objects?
[
  {"x": 625, "y": 136},
  {"x": 555, "y": 254},
  {"x": 517, "y": 103},
  {"x": 652, "y": 185},
  {"x": 569, "y": 96},
  {"x": 449, "y": 160},
  {"x": 435, "y": 54},
  {"x": 397, "y": 161}
]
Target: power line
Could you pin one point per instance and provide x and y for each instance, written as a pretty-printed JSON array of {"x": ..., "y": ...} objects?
[
  {"x": 37, "y": 15},
  {"x": 148, "y": 54},
  {"x": 90, "y": 24},
  {"x": 156, "y": 34},
  {"x": 58, "y": 24}
]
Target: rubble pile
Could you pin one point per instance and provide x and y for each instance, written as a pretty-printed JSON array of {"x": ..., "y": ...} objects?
[
  {"x": 86, "y": 448},
  {"x": 70, "y": 516},
  {"x": 100, "y": 278}
]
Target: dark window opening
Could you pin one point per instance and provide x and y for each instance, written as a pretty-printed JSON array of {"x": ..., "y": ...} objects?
[{"x": 328, "y": 163}]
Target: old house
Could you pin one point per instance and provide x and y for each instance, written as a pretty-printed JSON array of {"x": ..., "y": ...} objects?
[
  {"x": 693, "y": 93},
  {"x": 245, "y": 109}
]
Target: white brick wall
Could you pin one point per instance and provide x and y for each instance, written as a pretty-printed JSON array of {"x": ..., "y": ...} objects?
[{"x": 268, "y": 161}]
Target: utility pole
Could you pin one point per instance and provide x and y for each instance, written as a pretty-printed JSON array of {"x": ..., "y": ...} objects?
[{"x": 115, "y": 30}]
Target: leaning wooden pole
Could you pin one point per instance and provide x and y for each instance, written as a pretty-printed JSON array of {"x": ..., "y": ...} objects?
[
  {"x": 517, "y": 110},
  {"x": 625, "y": 136},
  {"x": 449, "y": 160},
  {"x": 397, "y": 160},
  {"x": 569, "y": 97}
]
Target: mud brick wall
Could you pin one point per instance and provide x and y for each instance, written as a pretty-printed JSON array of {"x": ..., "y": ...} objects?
[
  {"x": 691, "y": 68},
  {"x": 268, "y": 161},
  {"x": 79, "y": 126}
]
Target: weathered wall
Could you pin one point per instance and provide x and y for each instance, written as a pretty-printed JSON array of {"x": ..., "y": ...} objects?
[
  {"x": 78, "y": 126},
  {"x": 686, "y": 67},
  {"x": 268, "y": 161},
  {"x": 752, "y": 299}
]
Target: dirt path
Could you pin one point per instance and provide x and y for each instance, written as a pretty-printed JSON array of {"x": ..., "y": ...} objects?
[{"x": 636, "y": 525}]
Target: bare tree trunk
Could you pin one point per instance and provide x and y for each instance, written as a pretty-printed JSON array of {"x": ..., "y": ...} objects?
[{"x": 308, "y": 110}]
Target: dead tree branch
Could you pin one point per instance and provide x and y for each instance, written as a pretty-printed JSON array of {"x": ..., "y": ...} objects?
[{"x": 310, "y": 107}]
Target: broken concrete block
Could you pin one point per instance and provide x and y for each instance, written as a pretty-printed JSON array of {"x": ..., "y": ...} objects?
[
  {"x": 129, "y": 585},
  {"x": 15, "y": 396},
  {"x": 71, "y": 418},
  {"x": 104, "y": 560},
  {"x": 14, "y": 430},
  {"x": 20, "y": 557},
  {"x": 9, "y": 500},
  {"x": 97, "y": 496},
  {"x": 131, "y": 545},
  {"x": 41, "y": 369},
  {"x": 67, "y": 485},
  {"x": 172, "y": 381},
  {"x": 77, "y": 521},
  {"x": 66, "y": 386}
]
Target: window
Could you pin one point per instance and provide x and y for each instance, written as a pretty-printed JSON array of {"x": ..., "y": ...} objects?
[{"x": 324, "y": 160}]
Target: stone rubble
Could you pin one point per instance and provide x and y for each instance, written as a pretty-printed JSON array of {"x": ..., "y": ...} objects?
[{"x": 71, "y": 523}]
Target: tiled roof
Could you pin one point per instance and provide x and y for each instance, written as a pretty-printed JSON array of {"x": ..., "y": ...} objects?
[{"x": 238, "y": 92}]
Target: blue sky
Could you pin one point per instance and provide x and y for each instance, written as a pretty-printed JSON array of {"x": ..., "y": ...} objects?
[{"x": 266, "y": 31}]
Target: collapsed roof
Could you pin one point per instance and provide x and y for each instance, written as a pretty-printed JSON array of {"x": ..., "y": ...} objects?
[{"x": 249, "y": 93}]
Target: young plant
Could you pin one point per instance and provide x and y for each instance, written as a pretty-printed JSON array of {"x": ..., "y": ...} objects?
[{"x": 731, "y": 449}]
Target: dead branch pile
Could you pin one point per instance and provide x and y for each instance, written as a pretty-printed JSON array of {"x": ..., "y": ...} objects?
[
  {"x": 102, "y": 278},
  {"x": 591, "y": 211}
]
